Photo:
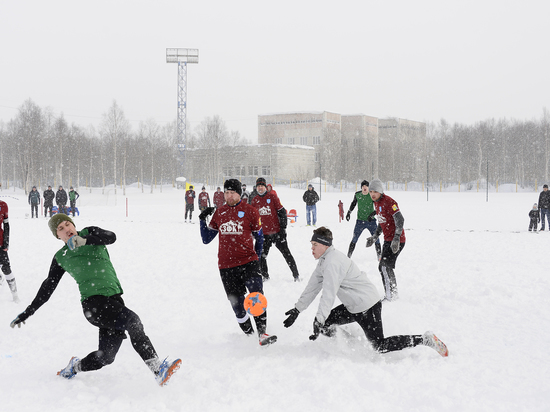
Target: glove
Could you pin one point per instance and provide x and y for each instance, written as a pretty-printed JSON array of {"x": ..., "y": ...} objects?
[
  {"x": 292, "y": 315},
  {"x": 371, "y": 216},
  {"x": 75, "y": 241},
  {"x": 21, "y": 318},
  {"x": 206, "y": 212},
  {"x": 317, "y": 326},
  {"x": 394, "y": 246},
  {"x": 371, "y": 240},
  {"x": 348, "y": 215}
]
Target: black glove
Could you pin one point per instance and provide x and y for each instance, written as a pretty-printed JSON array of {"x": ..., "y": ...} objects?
[
  {"x": 348, "y": 215},
  {"x": 206, "y": 212},
  {"x": 317, "y": 326},
  {"x": 395, "y": 245},
  {"x": 292, "y": 315},
  {"x": 371, "y": 216},
  {"x": 371, "y": 240},
  {"x": 21, "y": 318}
]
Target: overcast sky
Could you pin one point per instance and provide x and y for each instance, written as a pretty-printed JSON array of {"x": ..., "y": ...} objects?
[{"x": 464, "y": 61}]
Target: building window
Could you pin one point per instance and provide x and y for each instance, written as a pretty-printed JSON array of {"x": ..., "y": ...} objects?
[
  {"x": 251, "y": 171},
  {"x": 279, "y": 140},
  {"x": 316, "y": 140},
  {"x": 317, "y": 156},
  {"x": 290, "y": 140},
  {"x": 303, "y": 141},
  {"x": 255, "y": 171},
  {"x": 266, "y": 170}
]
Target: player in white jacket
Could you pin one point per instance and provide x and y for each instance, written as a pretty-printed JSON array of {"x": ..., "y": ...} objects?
[{"x": 337, "y": 275}]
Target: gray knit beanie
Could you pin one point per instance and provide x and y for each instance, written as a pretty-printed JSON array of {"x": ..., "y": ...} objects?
[{"x": 376, "y": 186}]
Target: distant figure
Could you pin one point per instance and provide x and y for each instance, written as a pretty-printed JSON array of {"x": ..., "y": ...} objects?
[
  {"x": 253, "y": 194},
  {"x": 73, "y": 196},
  {"x": 218, "y": 198},
  {"x": 270, "y": 190},
  {"x": 245, "y": 195},
  {"x": 544, "y": 206},
  {"x": 34, "y": 201},
  {"x": 189, "y": 203},
  {"x": 311, "y": 198},
  {"x": 49, "y": 196},
  {"x": 61, "y": 200},
  {"x": 204, "y": 199},
  {"x": 534, "y": 218},
  {"x": 365, "y": 217}
]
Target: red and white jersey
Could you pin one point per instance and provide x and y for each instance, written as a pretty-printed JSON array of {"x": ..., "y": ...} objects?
[
  {"x": 268, "y": 204},
  {"x": 204, "y": 199},
  {"x": 235, "y": 225},
  {"x": 385, "y": 208},
  {"x": 3, "y": 218},
  {"x": 219, "y": 199}
]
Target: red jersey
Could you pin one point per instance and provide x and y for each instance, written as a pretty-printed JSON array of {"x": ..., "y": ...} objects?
[
  {"x": 190, "y": 197},
  {"x": 3, "y": 218},
  {"x": 268, "y": 204},
  {"x": 204, "y": 199},
  {"x": 235, "y": 225},
  {"x": 385, "y": 208},
  {"x": 218, "y": 198}
]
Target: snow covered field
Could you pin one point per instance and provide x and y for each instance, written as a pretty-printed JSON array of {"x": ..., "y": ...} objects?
[{"x": 470, "y": 272}]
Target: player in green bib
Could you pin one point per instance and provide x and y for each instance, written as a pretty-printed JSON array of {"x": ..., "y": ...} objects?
[{"x": 85, "y": 257}]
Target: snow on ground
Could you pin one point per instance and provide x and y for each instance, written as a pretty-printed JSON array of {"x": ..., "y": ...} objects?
[{"x": 470, "y": 272}]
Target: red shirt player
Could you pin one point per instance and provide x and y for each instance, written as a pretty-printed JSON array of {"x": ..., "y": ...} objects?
[
  {"x": 238, "y": 224},
  {"x": 390, "y": 222},
  {"x": 218, "y": 198},
  {"x": 274, "y": 223},
  {"x": 204, "y": 199},
  {"x": 4, "y": 246}
]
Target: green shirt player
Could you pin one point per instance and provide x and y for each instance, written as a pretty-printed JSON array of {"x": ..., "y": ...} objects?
[
  {"x": 85, "y": 257},
  {"x": 365, "y": 217}
]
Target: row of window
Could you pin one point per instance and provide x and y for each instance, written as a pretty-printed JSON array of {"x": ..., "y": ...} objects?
[
  {"x": 315, "y": 140},
  {"x": 252, "y": 171},
  {"x": 291, "y": 122}
]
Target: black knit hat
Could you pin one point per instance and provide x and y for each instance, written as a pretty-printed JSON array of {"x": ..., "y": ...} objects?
[
  {"x": 233, "y": 184},
  {"x": 261, "y": 181},
  {"x": 365, "y": 183}
]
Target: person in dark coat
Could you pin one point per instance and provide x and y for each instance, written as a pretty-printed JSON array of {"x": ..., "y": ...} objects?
[
  {"x": 534, "y": 218},
  {"x": 61, "y": 200},
  {"x": 189, "y": 203},
  {"x": 49, "y": 196},
  {"x": 544, "y": 207},
  {"x": 311, "y": 198},
  {"x": 34, "y": 201}
]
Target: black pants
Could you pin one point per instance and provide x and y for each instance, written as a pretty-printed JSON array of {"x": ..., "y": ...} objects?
[
  {"x": 112, "y": 318},
  {"x": 5, "y": 262},
  {"x": 279, "y": 239},
  {"x": 236, "y": 281},
  {"x": 189, "y": 209},
  {"x": 73, "y": 207},
  {"x": 371, "y": 323},
  {"x": 46, "y": 207},
  {"x": 34, "y": 210},
  {"x": 533, "y": 223}
]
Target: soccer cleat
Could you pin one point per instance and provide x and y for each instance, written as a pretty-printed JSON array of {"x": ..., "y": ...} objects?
[
  {"x": 266, "y": 339},
  {"x": 69, "y": 371},
  {"x": 166, "y": 370},
  {"x": 429, "y": 339}
]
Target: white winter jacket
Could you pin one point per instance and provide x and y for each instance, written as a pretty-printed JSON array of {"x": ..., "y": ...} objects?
[{"x": 338, "y": 276}]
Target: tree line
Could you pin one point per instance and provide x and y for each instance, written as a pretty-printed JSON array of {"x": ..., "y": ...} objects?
[{"x": 40, "y": 149}]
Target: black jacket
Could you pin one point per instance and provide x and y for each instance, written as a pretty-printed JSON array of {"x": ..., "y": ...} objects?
[
  {"x": 49, "y": 195},
  {"x": 61, "y": 197},
  {"x": 310, "y": 197},
  {"x": 544, "y": 200}
]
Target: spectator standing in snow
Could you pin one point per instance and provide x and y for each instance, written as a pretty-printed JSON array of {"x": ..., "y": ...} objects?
[
  {"x": 218, "y": 198},
  {"x": 390, "y": 222},
  {"x": 49, "y": 196},
  {"x": 544, "y": 207},
  {"x": 84, "y": 255},
  {"x": 61, "y": 200},
  {"x": 204, "y": 199},
  {"x": 311, "y": 198},
  {"x": 274, "y": 222},
  {"x": 4, "y": 258},
  {"x": 253, "y": 194},
  {"x": 73, "y": 196},
  {"x": 238, "y": 223},
  {"x": 34, "y": 201},
  {"x": 534, "y": 218},
  {"x": 365, "y": 217},
  {"x": 245, "y": 194},
  {"x": 189, "y": 203},
  {"x": 338, "y": 276}
]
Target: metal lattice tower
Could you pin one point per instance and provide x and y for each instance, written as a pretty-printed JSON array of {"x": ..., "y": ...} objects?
[{"x": 182, "y": 57}]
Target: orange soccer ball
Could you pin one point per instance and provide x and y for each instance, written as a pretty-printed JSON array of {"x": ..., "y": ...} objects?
[{"x": 255, "y": 303}]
